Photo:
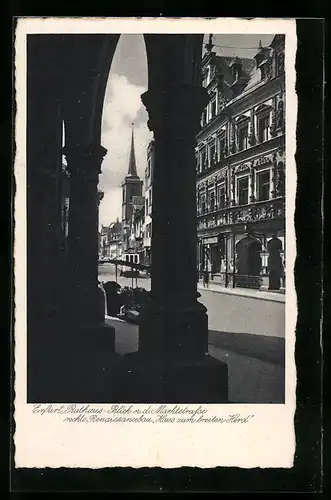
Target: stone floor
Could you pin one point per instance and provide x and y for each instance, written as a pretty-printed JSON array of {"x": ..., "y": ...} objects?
[{"x": 85, "y": 370}]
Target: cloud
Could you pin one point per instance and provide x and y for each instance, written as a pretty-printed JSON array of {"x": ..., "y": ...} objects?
[{"x": 122, "y": 107}]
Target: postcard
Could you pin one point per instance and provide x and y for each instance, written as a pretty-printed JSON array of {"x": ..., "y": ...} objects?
[{"x": 155, "y": 306}]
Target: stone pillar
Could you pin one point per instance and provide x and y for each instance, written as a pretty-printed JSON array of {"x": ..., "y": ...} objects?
[
  {"x": 273, "y": 127},
  {"x": 251, "y": 191},
  {"x": 173, "y": 334},
  {"x": 174, "y": 119},
  {"x": 84, "y": 165}
]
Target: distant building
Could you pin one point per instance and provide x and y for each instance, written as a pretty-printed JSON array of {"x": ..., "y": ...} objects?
[
  {"x": 240, "y": 158},
  {"x": 111, "y": 240},
  {"x": 115, "y": 240},
  {"x": 137, "y": 229},
  {"x": 147, "y": 242}
]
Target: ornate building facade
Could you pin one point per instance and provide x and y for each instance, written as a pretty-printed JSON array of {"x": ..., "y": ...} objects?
[
  {"x": 136, "y": 238},
  {"x": 148, "y": 203},
  {"x": 240, "y": 157}
]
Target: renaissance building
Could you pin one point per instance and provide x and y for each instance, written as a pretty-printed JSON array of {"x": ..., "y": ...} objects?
[
  {"x": 148, "y": 203},
  {"x": 240, "y": 161}
]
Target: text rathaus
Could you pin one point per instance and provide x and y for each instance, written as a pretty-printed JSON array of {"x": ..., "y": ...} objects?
[{"x": 240, "y": 158}]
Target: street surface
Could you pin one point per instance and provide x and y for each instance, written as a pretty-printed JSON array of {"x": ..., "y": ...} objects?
[
  {"x": 252, "y": 378},
  {"x": 244, "y": 332},
  {"x": 226, "y": 313}
]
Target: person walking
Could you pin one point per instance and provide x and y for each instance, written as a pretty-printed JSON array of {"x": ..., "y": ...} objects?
[
  {"x": 205, "y": 278},
  {"x": 283, "y": 275}
]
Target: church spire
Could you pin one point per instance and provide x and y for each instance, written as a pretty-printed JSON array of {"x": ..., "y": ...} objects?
[{"x": 132, "y": 171}]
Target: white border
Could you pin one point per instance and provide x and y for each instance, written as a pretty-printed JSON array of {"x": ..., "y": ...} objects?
[{"x": 268, "y": 440}]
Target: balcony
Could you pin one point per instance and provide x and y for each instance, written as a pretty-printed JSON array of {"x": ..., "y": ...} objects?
[{"x": 254, "y": 212}]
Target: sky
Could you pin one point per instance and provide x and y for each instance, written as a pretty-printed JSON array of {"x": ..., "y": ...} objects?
[{"x": 128, "y": 79}]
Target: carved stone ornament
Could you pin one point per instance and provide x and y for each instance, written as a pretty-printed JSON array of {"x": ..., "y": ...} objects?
[
  {"x": 84, "y": 162},
  {"x": 264, "y": 160},
  {"x": 175, "y": 111},
  {"x": 257, "y": 213}
]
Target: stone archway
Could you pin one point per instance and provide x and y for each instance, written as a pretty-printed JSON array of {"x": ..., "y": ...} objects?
[
  {"x": 174, "y": 329},
  {"x": 174, "y": 89},
  {"x": 249, "y": 262},
  {"x": 275, "y": 263}
]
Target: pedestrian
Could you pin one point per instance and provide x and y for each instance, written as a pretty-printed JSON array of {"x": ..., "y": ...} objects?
[
  {"x": 283, "y": 274},
  {"x": 206, "y": 278}
]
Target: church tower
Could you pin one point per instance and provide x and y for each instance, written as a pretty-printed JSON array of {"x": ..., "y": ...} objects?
[{"x": 131, "y": 186}]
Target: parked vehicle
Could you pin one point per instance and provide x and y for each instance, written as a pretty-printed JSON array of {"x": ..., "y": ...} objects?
[{"x": 129, "y": 271}]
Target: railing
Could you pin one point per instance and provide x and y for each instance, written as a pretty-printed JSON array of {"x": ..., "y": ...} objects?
[{"x": 230, "y": 279}]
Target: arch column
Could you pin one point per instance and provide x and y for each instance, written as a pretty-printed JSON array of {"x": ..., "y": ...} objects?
[
  {"x": 84, "y": 166},
  {"x": 176, "y": 324}
]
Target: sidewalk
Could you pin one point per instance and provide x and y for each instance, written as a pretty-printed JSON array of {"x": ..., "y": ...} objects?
[
  {"x": 145, "y": 282},
  {"x": 244, "y": 292},
  {"x": 255, "y": 364}
]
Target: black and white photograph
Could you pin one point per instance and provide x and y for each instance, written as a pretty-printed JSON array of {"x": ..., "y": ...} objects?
[
  {"x": 169, "y": 255},
  {"x": 156, "y": 218}
]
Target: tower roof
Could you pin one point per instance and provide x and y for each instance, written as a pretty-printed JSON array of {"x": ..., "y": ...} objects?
[{"x": 132, "y": 170}]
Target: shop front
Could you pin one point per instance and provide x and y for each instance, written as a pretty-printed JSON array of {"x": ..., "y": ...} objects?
[{"x": 212, "y": 254}]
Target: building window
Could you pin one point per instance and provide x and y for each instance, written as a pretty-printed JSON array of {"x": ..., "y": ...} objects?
[
  {"x": 263, "y": 128},
  {"x": 242, "y": 184},
  {"x": 203, "y": 159},
  {"x": 221, "y": 146},
  {"x": 212, "y": 153},
  {"x": 243, "y": 137},
  {"x": 263, "y": 185},
  {"x": 221, "y": 196},
  {"x": 203, "y": 204},
  {"x": 213, "y": 108},
  {"x": 212, "y": 204},
  {"x": 205, "y": 117}
]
